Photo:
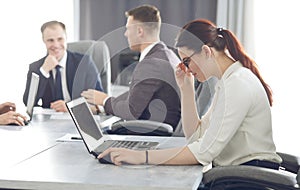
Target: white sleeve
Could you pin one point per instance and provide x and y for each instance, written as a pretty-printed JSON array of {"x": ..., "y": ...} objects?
[
  {"x": 47, "y": 75},
  {"x": 227, "y": 115}
]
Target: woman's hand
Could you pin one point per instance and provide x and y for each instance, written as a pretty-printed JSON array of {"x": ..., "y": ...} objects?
[
  {"x": 123, "y": 155},
  {"x": 184, "y": 79}
]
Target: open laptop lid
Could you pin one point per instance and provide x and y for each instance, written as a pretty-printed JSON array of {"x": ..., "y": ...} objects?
[
  {"x": 85, "y": 123},
  {"x": 34, "y": 84}
]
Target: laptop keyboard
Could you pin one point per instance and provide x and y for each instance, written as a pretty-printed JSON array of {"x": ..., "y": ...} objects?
[
  {"x": 140, "y": 145},
  {"x": 124, "y": 144},
  {"x": 137, "y": 145}
]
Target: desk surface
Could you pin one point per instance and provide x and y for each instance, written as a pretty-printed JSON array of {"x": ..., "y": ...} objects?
[{"x": 47, "y": 164}]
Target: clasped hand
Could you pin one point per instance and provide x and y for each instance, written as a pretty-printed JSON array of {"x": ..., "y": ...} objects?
[{"x": 50, "y": 63}]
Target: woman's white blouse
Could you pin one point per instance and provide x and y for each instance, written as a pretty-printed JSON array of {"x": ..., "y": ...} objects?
[{"x": 238, "y": 126}]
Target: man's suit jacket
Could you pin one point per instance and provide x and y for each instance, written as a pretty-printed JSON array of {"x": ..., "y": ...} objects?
[
  {"x": 81, "y": 75},
  {"x": 153, "y": 93}
]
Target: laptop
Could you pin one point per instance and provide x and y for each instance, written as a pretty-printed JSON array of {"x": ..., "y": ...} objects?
[
  {"x": 34, "y": 84},
  {"x": 92, "y": 135},
  {"x": 33, "y": 88}
]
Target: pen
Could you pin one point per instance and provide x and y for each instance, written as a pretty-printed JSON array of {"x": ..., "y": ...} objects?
[{"x": 76, "y": 138}]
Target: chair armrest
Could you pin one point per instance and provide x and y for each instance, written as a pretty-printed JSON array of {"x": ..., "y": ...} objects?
[
  {"x": 291, "y": 163},
  {"x": 248, "y": 175},
  {"x": 141, "y": 127}
]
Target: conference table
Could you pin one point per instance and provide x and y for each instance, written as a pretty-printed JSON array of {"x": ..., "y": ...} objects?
[{"x": 43, "y": 156}]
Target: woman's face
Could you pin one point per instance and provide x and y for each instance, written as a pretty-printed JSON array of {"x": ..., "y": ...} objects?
[{"x": 197, "y": 65}]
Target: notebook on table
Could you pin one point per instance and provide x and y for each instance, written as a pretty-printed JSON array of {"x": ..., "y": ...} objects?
[{"x": 95, "y": 141}]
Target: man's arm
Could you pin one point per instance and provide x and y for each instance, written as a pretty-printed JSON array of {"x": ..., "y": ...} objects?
[
  {"x": 132, "y": 104},
  {"x": 35, "y": 67}
]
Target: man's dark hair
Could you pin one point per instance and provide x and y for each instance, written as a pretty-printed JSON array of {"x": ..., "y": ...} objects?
[{"x": 147, "y": 14}]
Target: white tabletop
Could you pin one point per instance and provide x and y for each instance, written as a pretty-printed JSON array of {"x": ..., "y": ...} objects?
[{"x": 45, "y": 163}]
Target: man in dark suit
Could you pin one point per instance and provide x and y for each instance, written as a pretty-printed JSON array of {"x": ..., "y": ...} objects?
[
  {"x": 153, "y": 92},
  {"x": 63, "y": 74}
]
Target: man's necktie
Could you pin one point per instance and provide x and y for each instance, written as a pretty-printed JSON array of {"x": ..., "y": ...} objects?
[{"x": 58, "y": 86}]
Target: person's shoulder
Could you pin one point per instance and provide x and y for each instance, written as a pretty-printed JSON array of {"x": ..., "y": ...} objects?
[
  {"x": 168, "y": 51},
  {"x": 75, "y": 54},
  {"x": 162, "y": 56},
  {"x": 38, "y": 63}
]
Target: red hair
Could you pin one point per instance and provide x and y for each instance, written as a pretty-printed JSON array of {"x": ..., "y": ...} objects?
[{"x": 220, "y": 39}]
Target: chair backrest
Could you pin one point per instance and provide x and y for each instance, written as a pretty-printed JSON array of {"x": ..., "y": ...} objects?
[{"x": 99, "y": 52}]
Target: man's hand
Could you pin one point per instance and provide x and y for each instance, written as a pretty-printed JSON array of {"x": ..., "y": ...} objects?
[
  {"x": 94, "y": 96},
  {"x": 59, "y": 106},
  {"x": 49, "y": 63}
]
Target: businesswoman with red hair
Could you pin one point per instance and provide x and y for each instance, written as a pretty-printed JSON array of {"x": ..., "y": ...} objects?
[{"x": 237, "y": 129}]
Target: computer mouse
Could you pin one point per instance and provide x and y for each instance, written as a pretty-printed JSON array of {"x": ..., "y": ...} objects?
[
  {"x": 14, "y": 124},
  {"x": 105, "y": 160}
]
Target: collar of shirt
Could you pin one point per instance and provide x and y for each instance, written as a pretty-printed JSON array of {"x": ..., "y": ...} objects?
[
  {"x": 63, "y": 60},
  {"x": 146, "y": 50},
  {"x": 235, "y": 66}
]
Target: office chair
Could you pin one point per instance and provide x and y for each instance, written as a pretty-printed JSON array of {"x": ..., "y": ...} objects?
[
  {"x": 99, "y": 52},
  {"x": 253, "y": 177},
  {"x": 141, "y": 127},
  {"x": 127, "y": 60},
  {"x": 204, "y": 93}
]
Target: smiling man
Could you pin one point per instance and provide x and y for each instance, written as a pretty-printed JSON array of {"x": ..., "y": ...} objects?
[{"x": 63, "y": 74}]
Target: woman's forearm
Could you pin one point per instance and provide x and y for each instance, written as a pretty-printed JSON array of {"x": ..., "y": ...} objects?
[
  {"x": 174, "y": 156},
  {"x": 189, "y": 114}
]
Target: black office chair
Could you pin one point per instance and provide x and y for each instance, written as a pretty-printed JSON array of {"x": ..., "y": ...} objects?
[
  {"x": 99, "y": 52},
  {"x": 204, "y": 94},
  {"x": 244, "y": 177},
  {"x": 141, "y": 127}
]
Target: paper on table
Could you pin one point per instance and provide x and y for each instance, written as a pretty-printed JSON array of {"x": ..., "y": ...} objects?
[
  {"x": 46, "y": 111},
  {"x": 60, "y": 116},
  {"x": 67, "y": 116},
  {"x": 53, "y": 114},
  {"x": 69, "y": 137}
]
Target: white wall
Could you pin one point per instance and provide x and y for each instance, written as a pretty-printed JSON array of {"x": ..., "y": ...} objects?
[
  {"x": 21, "y": 40},
  {"x": 277, "y": 53}
]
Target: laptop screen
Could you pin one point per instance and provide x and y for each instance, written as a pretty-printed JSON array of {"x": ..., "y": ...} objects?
[
  {"x": 85, "y": 122},
  {"x": 34, "y": 84}
]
